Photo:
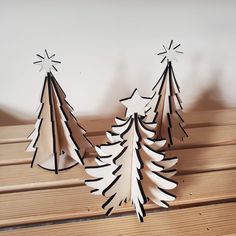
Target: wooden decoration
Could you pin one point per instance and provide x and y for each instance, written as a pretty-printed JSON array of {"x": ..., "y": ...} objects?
[
  {"x": 166, "y": 105},
  {"x": 131, "y": 167},
  {"x": 58, "y": 141}
]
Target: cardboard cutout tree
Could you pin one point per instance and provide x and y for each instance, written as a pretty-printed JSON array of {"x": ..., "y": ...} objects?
[
  {"x": 130, "y": 166},
  {"x": 58, "y": 141},
  {"x": 166, "y": 104}
]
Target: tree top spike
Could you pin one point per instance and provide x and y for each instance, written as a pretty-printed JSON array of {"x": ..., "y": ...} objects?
[
  {"x": 46, "y": 62},
  {"x": 170, "y": 53}
]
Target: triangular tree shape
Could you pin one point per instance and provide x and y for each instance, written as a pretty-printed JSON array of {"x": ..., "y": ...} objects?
[
  {"x": 131, "y": 167},
  {"x": 58, "y": 141},
  {"x": 166, "y": 107}
]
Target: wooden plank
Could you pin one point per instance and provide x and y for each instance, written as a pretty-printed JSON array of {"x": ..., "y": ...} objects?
[
  {"x": 205, "y": 159},
  {"x": 14, "y": 153},
  {"x": 192, "y": 119},
  {"x": 14, "y": 178},
  {"x": 17, "y": 133},
  {"x": 210, "y": 118},
  {"x": 233, "y": 234},
  {"x": 196, "y": 119},
  {"x": 206, "y": 136},
  {"x": 21, "y": 177},
  {"x": 209, "y": 220},
  {"x": 198, "y": 137},
  {"x": 216, "y": 135},
  {"x": 76, "y": 202}
]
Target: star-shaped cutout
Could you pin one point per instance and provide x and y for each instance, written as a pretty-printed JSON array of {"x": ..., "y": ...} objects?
[
  {"x": 135, "y": 104},
  {"x": 46, "y": 62},
  {"x": 170, "y": 53}
]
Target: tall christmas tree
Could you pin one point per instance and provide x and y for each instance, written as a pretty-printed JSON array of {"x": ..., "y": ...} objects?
[
  {"x": 130, "y": 166},
  {"x": 58, "y": 141},
  {"x": 166, "y": 104}
]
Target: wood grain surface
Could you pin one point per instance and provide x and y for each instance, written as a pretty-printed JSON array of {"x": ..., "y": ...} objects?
[{"x": 34, "y": 201}]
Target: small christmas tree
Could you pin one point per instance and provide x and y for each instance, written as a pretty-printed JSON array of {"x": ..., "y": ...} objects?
[
  {"x": 166, "y": 104},
  {"x": 130, "y": 166},
  {"x": 58, "y": 141}
]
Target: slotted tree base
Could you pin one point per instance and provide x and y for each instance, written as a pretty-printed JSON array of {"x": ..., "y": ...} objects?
[{"x": 65, "y": 163}]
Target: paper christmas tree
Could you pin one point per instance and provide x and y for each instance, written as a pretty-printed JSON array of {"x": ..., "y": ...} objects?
[
  {"x": 130, "y": 166},
  {"x": 58, "y": 141},
  {"x": 166, "y": 104}
]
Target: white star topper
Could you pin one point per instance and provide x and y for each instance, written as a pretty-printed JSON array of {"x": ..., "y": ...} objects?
[
  {"x": 135, "y": 104},
  {"x": 46, "y": 62},
  {"x": 170, "y": 53}
]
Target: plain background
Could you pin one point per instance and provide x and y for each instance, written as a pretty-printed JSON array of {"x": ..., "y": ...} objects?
[{"x": 108, "y": 48}]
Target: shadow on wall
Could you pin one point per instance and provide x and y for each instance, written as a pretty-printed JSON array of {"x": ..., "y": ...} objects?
[
  {"x": 209, "y": 99},
  {"x": 9, "y": 116}
]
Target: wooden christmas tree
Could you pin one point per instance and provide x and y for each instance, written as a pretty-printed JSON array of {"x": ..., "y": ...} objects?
[
  {"x": 58, "y": 141},
  {"x": 166, "y": 104},
  {"x": 130, "y": 166}
]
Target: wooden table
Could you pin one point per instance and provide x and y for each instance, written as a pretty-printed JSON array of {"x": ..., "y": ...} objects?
[{"x": 38, "y": 202}]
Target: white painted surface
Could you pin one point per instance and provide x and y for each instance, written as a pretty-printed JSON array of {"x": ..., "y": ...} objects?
[{"x": 108, "y": 48}]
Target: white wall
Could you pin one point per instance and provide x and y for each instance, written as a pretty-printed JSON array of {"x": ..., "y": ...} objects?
[{"x": 108, "y": 48}]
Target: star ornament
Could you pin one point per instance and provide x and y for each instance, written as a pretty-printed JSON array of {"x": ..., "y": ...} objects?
[
  {"x": 171, "y": 53},
  {"x": 135, "y": 104},
  {"x": 46, "y": 62}
]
